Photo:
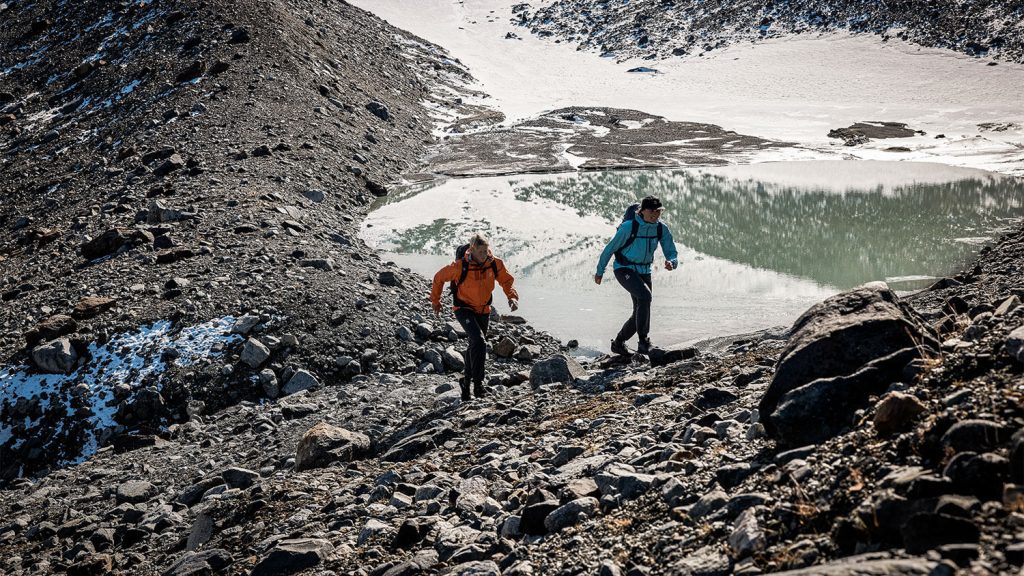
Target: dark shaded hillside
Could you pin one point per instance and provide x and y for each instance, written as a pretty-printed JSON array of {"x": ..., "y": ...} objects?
[
  {"x": 663, "y": 28},
  {"x": 196, "y": 161}
]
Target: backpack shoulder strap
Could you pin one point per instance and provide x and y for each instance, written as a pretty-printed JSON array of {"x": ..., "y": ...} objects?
[
  {"x": 620, "y": 253},
  {"x": 660, "y": 226},
  {"x": 465, "y": 271}
]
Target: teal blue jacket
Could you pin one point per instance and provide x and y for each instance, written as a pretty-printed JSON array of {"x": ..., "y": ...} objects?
[{"x": 642, "y": 249}]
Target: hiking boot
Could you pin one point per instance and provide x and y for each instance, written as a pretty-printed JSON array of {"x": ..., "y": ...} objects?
[
  {"x": 478, "y": 389},
  {"x": 620, "y": 348},
  {"x": 464, "y": 386},
  {"x": 644, "y": 347}
]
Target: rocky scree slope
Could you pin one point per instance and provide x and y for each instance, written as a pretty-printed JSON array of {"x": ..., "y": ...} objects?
[
  {"x": 910, "y": 461},
  {"x": 665, "y": 28},
  {"x": 183, "y": 181}
]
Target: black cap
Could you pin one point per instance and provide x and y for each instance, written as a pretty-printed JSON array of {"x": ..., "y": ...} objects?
[{"x": 650, "y": 203}]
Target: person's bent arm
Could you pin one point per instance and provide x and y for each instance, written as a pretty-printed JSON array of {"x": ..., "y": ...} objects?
[
  {"x": 505, "y": 280},
  {"x": 668, "y": 246},
  {"x": 449, "y": 273},
  {"x": 617, "y": 241}
]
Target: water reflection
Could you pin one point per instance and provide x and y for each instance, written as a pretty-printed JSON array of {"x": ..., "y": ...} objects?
[
  {"x": 836, "y": 239},
  {"x": 759, "y": 243}
]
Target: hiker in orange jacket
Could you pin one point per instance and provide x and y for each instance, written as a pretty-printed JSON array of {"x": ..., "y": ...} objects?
[{"x": 472, "y": 280}]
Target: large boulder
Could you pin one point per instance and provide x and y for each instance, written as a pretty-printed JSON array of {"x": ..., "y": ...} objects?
[
  {"x": 56, "y": 357},
  {"x": 560, "y": 368},
  {"x": 323, "y": 444},
  {"x": 821, "y": 409},
  {"x": 843, "y": 349}
]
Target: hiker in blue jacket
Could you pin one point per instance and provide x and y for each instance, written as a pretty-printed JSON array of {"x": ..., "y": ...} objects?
[{"x": 633, "y": 246}]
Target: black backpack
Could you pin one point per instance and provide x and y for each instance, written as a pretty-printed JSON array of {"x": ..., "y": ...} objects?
[
  {"x": 630, "y": 216},
  {"x": 460, "y": 254}
]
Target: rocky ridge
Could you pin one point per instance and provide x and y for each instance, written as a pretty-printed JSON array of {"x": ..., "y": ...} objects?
[
  {"x": 180, "y": 175},
  {"x": 664, "y": 29}
]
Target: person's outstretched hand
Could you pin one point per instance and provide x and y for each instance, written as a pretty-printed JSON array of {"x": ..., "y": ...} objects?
[
  {"x": 513, "y": 305},
  {"x": 597, "y": 278},
  {"x": 436, "y": 307},
  {"x": 669, "y": 266}
]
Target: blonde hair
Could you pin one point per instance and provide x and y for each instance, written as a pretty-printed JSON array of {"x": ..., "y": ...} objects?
[{"x": 477, "y": 239}]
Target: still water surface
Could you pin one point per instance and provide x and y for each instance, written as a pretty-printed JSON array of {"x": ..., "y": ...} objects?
[{"x": 759, "y": 243}]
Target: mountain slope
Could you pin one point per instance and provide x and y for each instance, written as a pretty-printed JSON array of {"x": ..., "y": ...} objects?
[{"x": 664, "y": 28}]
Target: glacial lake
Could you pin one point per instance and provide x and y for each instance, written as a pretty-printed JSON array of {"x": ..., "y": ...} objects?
[{"x": 759, "y": 243}]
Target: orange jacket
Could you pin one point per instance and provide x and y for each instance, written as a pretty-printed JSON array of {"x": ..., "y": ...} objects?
[{"x": 476, "y": 289}]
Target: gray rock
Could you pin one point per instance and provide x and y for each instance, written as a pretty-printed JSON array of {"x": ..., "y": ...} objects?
[
  {"x": 823, "y": 408},
  {"x": 325, "y": 264},
  {"x": 453, "y": 359},
  {"x": 293, "y": 556},
  {"x": 135, "y": 491},
  {"x": 560, "y": 368},
  {"x": 175, "y": 162},
  {"x": 389, "y": 278},
  {"x": 567, "y": 453},
  {"x": 254, "y": 353},
  {"x": 301, "y": 380},
  {"x": 504, "y": 348},
  {"x": 609, "y": 568},
  {"x": 709, "y": 503},
  {"x": 268, "y": 380},
  {"x": 981, "y": 475},
  {"x": 436, "y": 359},
  {"x": 974, "y": 435},
  {"x": 836, "y": 339},
  {"x": 621, "y": 481},
  {"x": 424, "y": 330},
  {"x": 400, "y": 501},
  {"x": 580, "y": 488},
  {"x": 239, "y": 477},
  {"x": 374, "y": 529},
  {"x": 476, "y": 568},
  {"x": 527, "y": 352},
  {"x": 159, "y": 213},
  {"x": 314, "y": 195},
  {"x": 868, "y": 566},
  {"x": 404, "y": 334},
  {"x": 419, "y": 443},
  {"x": 1015, "y": 344},
  {"x": 55, "y": 357},
  {"x": 571, "y": 513},
  {"x": 428, "y": 492},
  {"x": 379, "y": 109},
  {"x": 510, "y": 527},
  {"x": 202, "y": 531},
  {"x": 533, "y": 516},
  {"x": 212, "y": 561},
  {"x": 707, "y": 561},
  {"x": 244, "y": 324},
  {"x": 747, "y": 537},
  {"x": 674, "y": 492},
  {"x": 323, "y": 444},
  {"x": 191, "y": 495},
  {"x": 923, "y": 532},
  {"x": 113, "y": 240}
]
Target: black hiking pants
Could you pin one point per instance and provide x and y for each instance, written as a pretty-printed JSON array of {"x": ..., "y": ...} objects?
[
  {"x": 639, "y": 288},
  {"x": 475, "y": 326}
]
